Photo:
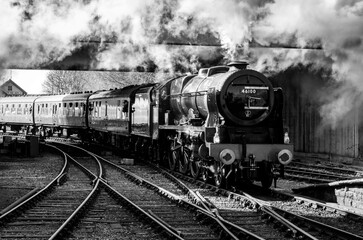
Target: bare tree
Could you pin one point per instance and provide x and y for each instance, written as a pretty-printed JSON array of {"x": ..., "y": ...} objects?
[
  {"x": 58, "y": 82},
  {"x": 74, "y": 81},
  {"x": 122, "y": 79}
]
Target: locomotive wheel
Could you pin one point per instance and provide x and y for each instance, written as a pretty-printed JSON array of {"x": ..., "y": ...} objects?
[
  {"x": 205, "y": 174},
  {"x": 184, "y": 161},
  {"x": 152, "y": 152},
  {"x": 219, "y": 177},
  {"x": 145, "y": 151},
  {"x": 195, "y": 167},
  {"x": 266, "y": 174},
  {"x": 173, "y": 158}
]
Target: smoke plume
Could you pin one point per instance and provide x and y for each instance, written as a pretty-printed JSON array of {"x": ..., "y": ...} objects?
[
  {"x": 128, "y": 34},
  {"x": 337, "y": 26}
]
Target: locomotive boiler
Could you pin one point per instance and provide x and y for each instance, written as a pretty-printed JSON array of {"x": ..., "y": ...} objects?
[{"x": 225, "y": 123}]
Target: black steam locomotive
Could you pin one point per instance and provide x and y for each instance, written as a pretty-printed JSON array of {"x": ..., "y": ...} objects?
[{"x": 223, "y": 124}]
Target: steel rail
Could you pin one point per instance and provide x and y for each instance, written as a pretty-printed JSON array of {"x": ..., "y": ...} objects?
[
  {"x": 100, "y": 174},
  {"x": 205, "y": 210},
  {"x": 151, "y": 216},
  {"x": 262, "y": 205},
  {"x": 40, "y": 192},
  {"x": 96, "y": 184},
  {"x": 76, "y": 212},
  {"x": 99, "y": 179},
  {"x": 308, "y": 172},
  {"x": 167, "y": 193},
  {"x": 323, "y": 167},
  {"x": 255, "y": 202},
  {"x": 329, "y": 229},
  {"x": 295, "y": 229}
]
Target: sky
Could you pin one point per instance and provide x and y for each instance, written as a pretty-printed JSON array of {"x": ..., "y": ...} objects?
[{"x": 28, "y": 79}]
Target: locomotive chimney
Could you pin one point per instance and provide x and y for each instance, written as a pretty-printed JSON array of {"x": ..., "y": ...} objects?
[{"x": 237, "y": 65}]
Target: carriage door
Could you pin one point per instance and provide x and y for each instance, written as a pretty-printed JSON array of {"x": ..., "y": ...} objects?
[
  {"x": 54, "y": 113},
  {"x": 141, "y": 113}
]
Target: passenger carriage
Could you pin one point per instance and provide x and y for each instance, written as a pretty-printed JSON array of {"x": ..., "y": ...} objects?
[
  {"x": 58, "y": 112},
  {"x": 17, "y": 111}
]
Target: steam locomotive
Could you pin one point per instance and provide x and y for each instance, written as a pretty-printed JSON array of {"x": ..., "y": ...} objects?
[{"x": 223, "y": 125}]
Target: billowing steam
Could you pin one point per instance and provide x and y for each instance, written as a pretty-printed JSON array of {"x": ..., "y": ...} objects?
[
  {"x": 336, "y": 25},
  {"x": 127, "y": 34},
  {"x": 41, "y": 32}
]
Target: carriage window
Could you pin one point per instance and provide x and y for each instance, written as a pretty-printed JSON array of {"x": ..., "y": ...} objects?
[
  {"x": 7, "y": 110},
  {"x": 125, "y": 109},
  {"x": 118, "y": 109},
  {"x": 100, "y": 109},
  {"x": 18, "y": 111},
  {"x": 81, "y": 106},
  {"x": 38, "y": 108},
  {"x": 70, "y": 109},
  {"x": 65, "y": 105},
  {"x": 60, "y": 105},
  {"x": 106, "y": 108},
  {"x": 76, "y": 104},
  {"x": 125, "y": 106}
]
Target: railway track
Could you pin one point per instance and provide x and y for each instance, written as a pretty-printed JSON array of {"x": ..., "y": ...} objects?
[
  {"x": 162, "y": 207},
  {"x": 172, "y": 207},
  {"x": 318, "y": 173},
  {"x": 231, "y": 208},
  {"x": 255, "y": 217},
  {"x": 313, "y": 229},
  {"x": 47, "y": 213},
  {"x": 184, "y": 209},
  {"x": 340, "y": 170},
  {"x": 107, "y": 219}
]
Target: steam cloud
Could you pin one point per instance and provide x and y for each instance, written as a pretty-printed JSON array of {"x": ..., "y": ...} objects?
[{"x": 35, "y": 33}]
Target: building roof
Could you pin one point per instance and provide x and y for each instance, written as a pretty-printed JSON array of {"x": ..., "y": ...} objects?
[{"x": 14, "y": 84}]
